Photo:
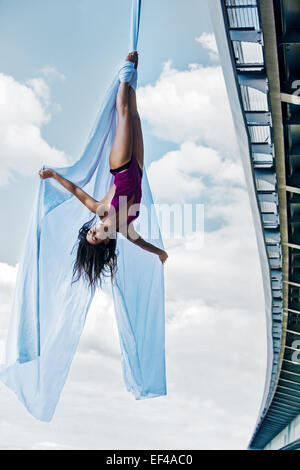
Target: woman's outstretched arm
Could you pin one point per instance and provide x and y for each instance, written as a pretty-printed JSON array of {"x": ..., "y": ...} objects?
[
  {"x": 135, "y": 238},
  {"x": 91, "y": 203}
]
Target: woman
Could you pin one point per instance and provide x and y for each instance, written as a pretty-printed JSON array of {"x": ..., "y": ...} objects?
[{"x": 96, "y": 253}]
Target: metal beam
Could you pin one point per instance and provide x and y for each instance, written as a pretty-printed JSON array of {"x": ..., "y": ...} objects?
[
  {"x": 293, "y": 349},
  {"x": 290, "y": 397},
  {"x": 292, "y": 245},
  {"x": 280, "y": 403},
  {"x": 276, "y": 420},
  {"x": 291, "y": 99},
  {"x": 262, "y": 148},
  {"x": 292, "y": 310},
  {"x": 290, "y": 37},
  {"x": 292, "y": 389},
  {"x": 291, "y": 189},
  {"x": 255, "y": 79},
  {"x": 290, "y": 381},
  {"x": 246, "y": 35},
  {"x": 296, "y": 284},
  {"x": 292, "y": 331},
  {"x": 285, "y": 413},
  {"x": 258, "y": 118},
  {"x": 290, "y": 372},
  {"x": 250, "y": 65},
  {"x": 291, "y": 362}
]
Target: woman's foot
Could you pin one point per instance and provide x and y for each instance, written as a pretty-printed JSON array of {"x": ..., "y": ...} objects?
[
  {"x": 133, "y": 57},
  {"x": 128, "y": 71}
]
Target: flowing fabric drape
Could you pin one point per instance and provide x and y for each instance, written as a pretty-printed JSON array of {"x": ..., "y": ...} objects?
[{"x": 48, "y": 312}]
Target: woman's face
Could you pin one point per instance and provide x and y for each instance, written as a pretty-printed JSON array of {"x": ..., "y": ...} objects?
[{"x": 97, "y": 235}]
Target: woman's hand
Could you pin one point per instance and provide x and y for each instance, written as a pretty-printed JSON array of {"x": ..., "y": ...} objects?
[
  {"x": 131, "y": 234},
  {"x": 46, "y": 173},
  {"x": 83, "y": 197},
  {"x": 163, "y": 255}
]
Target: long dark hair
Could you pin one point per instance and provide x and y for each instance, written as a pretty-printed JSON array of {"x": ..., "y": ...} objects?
[{"x": 94, "y": 261}]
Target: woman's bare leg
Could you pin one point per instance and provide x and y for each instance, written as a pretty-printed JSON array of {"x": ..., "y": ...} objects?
[
  {"x": 122, "y": 146},
  {"x": 137, "y": 134}
]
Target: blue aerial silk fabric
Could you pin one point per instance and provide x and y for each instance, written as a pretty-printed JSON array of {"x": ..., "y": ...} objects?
[{"x": 48, "y": 312}]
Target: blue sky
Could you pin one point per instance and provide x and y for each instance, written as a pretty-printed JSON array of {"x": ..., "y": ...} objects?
[{"x": 57, "y": 58}]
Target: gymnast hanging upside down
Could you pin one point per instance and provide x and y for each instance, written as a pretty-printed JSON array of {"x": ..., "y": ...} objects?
[{"x": 96, "y": 253}]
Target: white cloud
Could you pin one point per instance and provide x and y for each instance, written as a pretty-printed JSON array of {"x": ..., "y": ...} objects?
[
  {"x": 52, "y": 72},
  {"x": 50, "y": 446},
  {"x": 8, "y": 276},
  {"x": 208, "y": 41},
  {"x": 24, "y": 110},
  {"x": 190, "y": 105},
  {"x": 97, "y": 339},
  {"x": 224, "y": 269},
  {"x": 7, "y": 281},
  {"x": 40, "y": 88},
  {"x": 178, "y": 175},
  {"x": 19, "y": 104}
]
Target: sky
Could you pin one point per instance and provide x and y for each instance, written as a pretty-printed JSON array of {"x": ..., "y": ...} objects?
[{"x": 57, "y": 59}]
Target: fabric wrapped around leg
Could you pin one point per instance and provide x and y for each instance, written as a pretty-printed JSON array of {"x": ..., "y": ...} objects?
[{"x": 128, "y": 73}]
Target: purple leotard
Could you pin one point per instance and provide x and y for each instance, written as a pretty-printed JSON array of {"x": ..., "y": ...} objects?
[{"x": 128, "y": 183}]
